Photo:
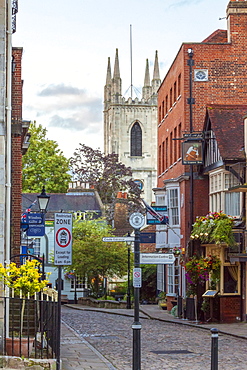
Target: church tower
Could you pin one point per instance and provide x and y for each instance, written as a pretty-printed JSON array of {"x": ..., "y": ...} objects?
[{"x": 130, "y": 126}]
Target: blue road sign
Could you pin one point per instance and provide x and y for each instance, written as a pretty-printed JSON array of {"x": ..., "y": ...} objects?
[
  {"x": 36, "y": 230},
  {"x": 162, "y": 210},
  {"x": 30, "y": 220},
  {"x": 147, "y": 238}
]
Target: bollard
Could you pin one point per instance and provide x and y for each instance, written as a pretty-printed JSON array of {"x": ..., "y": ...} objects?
[{"x": 214, "y": 349}]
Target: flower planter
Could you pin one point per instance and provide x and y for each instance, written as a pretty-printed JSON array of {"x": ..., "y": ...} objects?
[{"x": 15, "y": 348}]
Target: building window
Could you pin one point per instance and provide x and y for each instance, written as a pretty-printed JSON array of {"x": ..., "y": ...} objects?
[
  {"x": 179, "y": 142},
  {"x": 175, "y": 92},
  {"x": 160, "y": 160},
  {"x": 173, "y": 277},
  {"x": 220, "y": 198},
  {"x": 36, "y": 247},
  {"x": 80, "y": 283},
  {"x": 170, "y": 97},
  {"x": 163, "y": 155},
  {"x": 175, "y": 144},
  {"x": 163, "y": 109},
  {"x": 160, "y": 278},
  {"x": 136, "y": 141},
  {"x": 179, "y": 85},
  {"x": 231, "y": 279},
  {"x": 160, "y": 114},
  {"x": 166, "y": 156},
  {"x": 173, "y": 207},
  {"x": 166, "y": 104},
  {"x": 171, "y": 149}
]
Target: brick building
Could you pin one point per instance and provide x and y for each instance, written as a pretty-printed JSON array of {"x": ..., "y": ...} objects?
[
  {"x": 202, "y": 75},
  {"x": 19, "y": 145}
]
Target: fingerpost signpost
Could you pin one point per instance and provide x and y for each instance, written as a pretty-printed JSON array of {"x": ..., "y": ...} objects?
[
  {"x": 136, "y": 220},
  {"x": 62, "y": 257}
]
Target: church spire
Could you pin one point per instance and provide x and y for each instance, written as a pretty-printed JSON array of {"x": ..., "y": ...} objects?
[
  {"x": 116, "y": 81},
  {"x": 107, "y": 88},
  {"x": 147, "y": 75},
  {"x": 156, "y": 75},
  {"x": 146, "y": 90},
  {"x": 108, "y": 73},
  {"x": 116, "y": 73}
]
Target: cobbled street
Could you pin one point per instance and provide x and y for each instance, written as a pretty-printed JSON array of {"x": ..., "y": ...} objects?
[{"x": 190, "y": 348}]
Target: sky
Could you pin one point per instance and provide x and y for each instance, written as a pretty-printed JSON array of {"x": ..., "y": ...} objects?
[{"x": 66, "y": 45}]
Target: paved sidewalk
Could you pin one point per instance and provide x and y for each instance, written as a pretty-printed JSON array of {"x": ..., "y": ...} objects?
[{"x": 78, "y": 354}]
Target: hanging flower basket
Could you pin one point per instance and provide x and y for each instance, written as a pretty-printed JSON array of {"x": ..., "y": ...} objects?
[
  {"x": 201, "y": 269},
  {"x": 176, "y": 251},
  {"x": 69, "y": 275},
  {"x": 216, "y": 227}
]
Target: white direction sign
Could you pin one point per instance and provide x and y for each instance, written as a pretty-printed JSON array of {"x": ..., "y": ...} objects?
[
  {"x": 119, "y": 239},
  {"x": 157, "y": 258},
  {"x": 63, "y": 239},
  {"x": 137, "y": 277}
]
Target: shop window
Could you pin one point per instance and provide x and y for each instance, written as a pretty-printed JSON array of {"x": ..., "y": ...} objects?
[{"x": 231, "y": 278}]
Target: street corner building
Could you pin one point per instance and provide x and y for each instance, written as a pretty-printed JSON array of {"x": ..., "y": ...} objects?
[{"x": 202, "y": 109}]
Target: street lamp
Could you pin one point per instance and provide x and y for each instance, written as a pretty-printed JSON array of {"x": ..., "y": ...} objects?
[
  {"x": 43, "y": 200},
  {"x": 128, "y": 289}
]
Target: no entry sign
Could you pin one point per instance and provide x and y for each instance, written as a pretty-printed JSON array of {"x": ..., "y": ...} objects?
[{"x": 63, "y": 239}]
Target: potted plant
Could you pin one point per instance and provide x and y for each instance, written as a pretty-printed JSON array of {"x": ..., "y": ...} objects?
[
  {"x": 162, "y": 300},
  {"x": 24, "y": 281}
]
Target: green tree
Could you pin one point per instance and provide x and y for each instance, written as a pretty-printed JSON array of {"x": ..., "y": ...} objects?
[
  {"x": 149, "y": 282},
  {"x": 95, "y": 259},
  {"x": 44, "y": 164}
]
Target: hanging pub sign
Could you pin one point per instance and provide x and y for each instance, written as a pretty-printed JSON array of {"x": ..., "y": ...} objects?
[{"x": 192, "y": 152}]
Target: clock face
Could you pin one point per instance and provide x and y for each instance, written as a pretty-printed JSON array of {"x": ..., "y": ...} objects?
[{"x": 201, "y": 75}]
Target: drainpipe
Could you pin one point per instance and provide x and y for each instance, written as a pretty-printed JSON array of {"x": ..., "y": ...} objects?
[
  {"x": 8, "y": 148},
  {"x": 8, "y": 131}
]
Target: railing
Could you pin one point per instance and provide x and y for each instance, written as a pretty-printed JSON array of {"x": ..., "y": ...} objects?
[{"x": 32, "y": 324}]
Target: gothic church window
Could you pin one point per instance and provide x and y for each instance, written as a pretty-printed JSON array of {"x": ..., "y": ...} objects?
[{"x": 136, "y": 140}]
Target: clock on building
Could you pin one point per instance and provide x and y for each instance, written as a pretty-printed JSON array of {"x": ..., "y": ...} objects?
[{"x": 201, "y": 75}]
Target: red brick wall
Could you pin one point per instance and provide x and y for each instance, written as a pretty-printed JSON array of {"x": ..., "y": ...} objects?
[
  {"x": 16, "y": 189},
  {"x": 227, "y": 84},
  {"x": 230, "y": 308}
]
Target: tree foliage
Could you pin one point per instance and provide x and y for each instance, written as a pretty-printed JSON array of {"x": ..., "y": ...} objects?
[
  {"x": 44, "y": 164},
  {"x": 149, "y": 282},
  {"x": 95, "y": 259},
  {"x": 106, "y": 174}
]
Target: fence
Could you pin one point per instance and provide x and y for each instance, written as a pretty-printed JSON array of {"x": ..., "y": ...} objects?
[{"x": 31, "y": 325}]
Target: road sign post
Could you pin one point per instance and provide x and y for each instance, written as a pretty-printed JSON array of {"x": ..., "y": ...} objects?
[
  {"x": 63, "y": 239},
  {"x": 136, "y": 324},
  {"x": 62, "y": 256},
  {"x": 136, "y": 221}
]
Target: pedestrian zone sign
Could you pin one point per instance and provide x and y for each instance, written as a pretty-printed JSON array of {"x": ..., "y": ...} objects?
[
  {"x": 137, "y": 277},
  {"x": 63, "y": 239}
]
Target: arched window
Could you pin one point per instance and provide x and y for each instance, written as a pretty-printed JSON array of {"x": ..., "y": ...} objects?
[{"x": 136, "y": 140}]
